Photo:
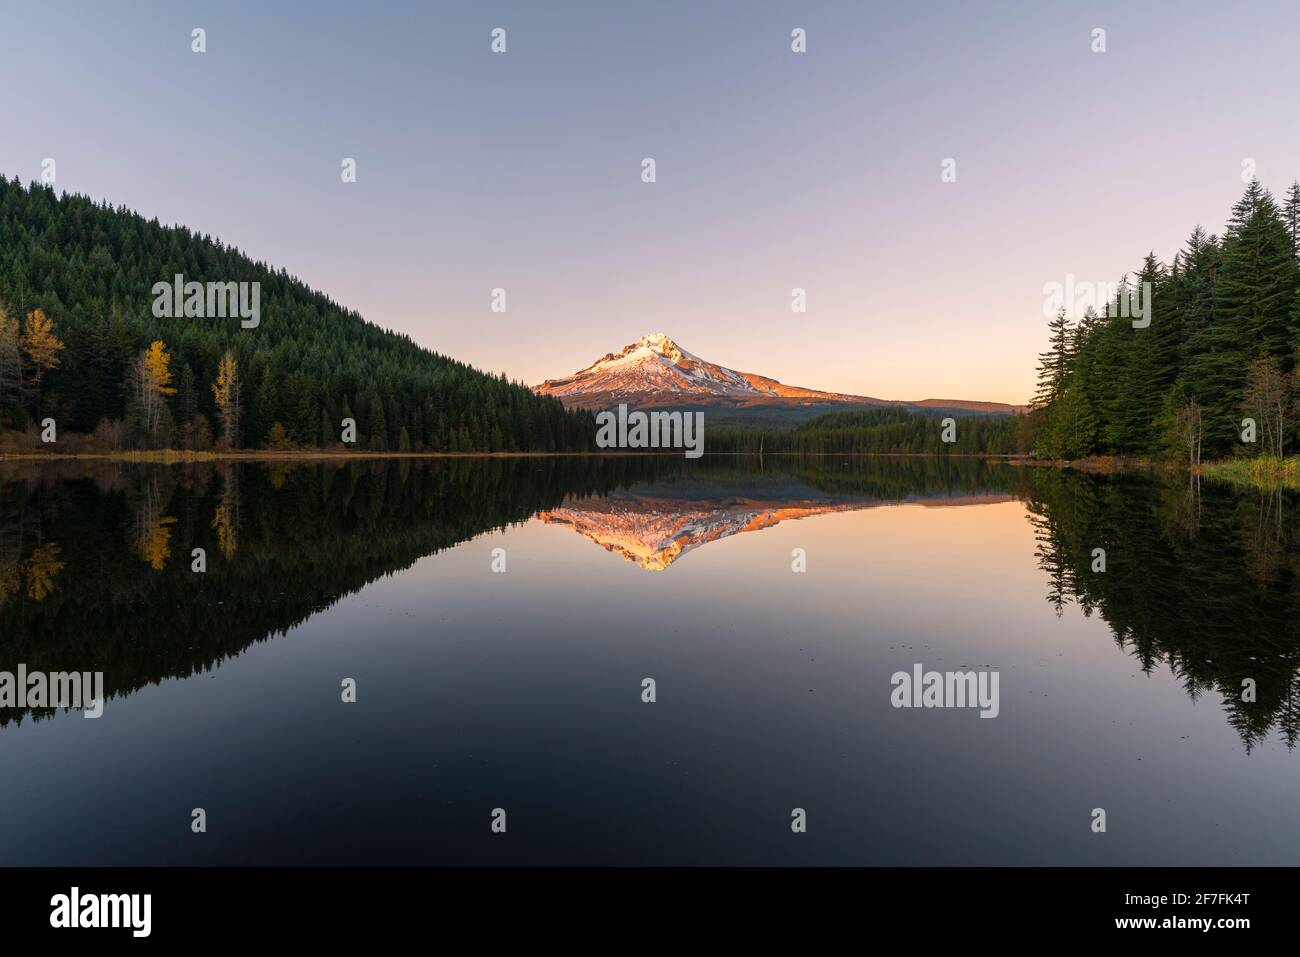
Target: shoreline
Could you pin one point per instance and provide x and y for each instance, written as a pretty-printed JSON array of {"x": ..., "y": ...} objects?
[
  {"x": 1265, "y": 473},
  {"x": 181, "y": 456}
]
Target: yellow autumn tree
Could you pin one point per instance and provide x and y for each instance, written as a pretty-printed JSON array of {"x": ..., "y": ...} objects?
[
  {"x": 153, "y": 528},
  {"x": 227, "y": 535},
  {"x": 40, "y": 570},
  {"x": 41, "y": 345},
  {"x": 226, "y": 393},
  {"x": 226, "y": 519},
  {"x": 153, "y": 381},
  {"x": 156, "y": 542}
]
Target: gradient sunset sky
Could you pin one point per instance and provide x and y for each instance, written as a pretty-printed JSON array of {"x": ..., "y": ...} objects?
[{"x": 775, "y": 169}]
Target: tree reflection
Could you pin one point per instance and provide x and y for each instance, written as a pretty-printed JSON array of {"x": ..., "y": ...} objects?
[{"x": 1199, "y": 579}]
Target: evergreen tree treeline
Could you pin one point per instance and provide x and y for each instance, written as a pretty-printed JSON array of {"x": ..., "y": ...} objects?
[
  {"x": 115, "y": 369},
  {"x": 1220, "y": 347},
  {"x": 877, "y": 431}
]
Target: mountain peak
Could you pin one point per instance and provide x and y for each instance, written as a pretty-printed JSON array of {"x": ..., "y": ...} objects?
[
  {"x": 661, "y": 344},
  {"x": 655, "y": 371}
]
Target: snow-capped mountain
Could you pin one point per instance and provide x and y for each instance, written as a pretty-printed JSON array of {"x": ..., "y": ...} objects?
[
  {"x": 647, "y": 535},
  {"x": 656, "y": 371},
  {"x": 655, "y": 368},
  {"x": 653, "y": 529}
]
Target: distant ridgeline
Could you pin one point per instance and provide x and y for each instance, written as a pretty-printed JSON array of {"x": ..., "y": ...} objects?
[
  {"x": 80, "y": 343},
  {"x": 1215, "y": 345}
]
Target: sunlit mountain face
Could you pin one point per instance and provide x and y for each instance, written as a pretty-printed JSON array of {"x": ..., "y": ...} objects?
[
  {"x": 656, "y": 371},
  {"x": 654, "y": 530}
]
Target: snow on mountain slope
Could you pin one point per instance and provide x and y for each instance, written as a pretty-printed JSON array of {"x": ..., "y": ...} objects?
[
  {"x": 654, "y": 531},
  {"x": 655, "y": 539},
  {"x": 655, "y": 370},
  {"x": 656, "y": 366}
]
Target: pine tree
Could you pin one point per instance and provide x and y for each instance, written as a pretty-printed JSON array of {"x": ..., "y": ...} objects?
[
  {"x": 267, "y": 406},
  {"x": 325, "y": 436},
  {"x": 1070, "y": 431},
  {"x": 1254, "y": 291},
  {"x": 378, "y": 424},
  {"x": 187, "y": 399},
  {"x": 345, "y": 414},
  {"x": 1054, "y": 364},
  {"x": 1165, "y": 329},
  {"x": 1291, "y": 216},
  {"x": 1192, "y": 291},
  {"x": 1260, "y": 275},
  {"x": 1143, "y": 357},
  {"x": 11, "y": 364},
  {"x": 1246, "y": 207},
  {"x": 1086, "y": 380}
]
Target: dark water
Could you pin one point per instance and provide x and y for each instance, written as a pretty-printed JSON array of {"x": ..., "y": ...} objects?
[{"x": 522, "y": 690}]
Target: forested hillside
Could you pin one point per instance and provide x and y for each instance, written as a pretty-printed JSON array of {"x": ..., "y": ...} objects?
[
  {"x": 79, "y": 343},
  {"x": 879, "y": 431},
  {"x": 1219, "y": 349}
]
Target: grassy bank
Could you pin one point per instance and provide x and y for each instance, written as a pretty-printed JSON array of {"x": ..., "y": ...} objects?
[
  {"x": 1265, "y": 472},
  {"x": 1104, "y": 464}
]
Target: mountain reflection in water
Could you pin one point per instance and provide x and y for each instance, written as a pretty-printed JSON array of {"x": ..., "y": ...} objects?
[
  {"x": 654, "y": 528},
  {"x": 95, "y": 557}
]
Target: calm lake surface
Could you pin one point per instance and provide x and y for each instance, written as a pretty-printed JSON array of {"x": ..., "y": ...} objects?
[{"x": 522, "y": 689}]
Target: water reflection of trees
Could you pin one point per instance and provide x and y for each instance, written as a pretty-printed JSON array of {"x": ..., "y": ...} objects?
[
  {"x": 95, "y": 558},
  {"x": 1199, "y": 579}
]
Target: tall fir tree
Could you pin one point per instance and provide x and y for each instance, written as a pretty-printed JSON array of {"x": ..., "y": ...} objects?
[
  {"x": 1291, "y": 216},
  {"x": 1054, "y": 364},
  {"x": 1251, "y": 311}
]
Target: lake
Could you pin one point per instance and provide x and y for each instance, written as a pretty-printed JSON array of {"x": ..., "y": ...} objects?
[{"x": 498, "y": 619}]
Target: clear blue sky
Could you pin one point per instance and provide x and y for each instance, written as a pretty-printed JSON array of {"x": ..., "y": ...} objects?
[{"x": 775, "y": 170}]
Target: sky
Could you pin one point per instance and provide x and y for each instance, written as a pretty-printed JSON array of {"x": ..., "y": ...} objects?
[{"x": 775, "y": 170}]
